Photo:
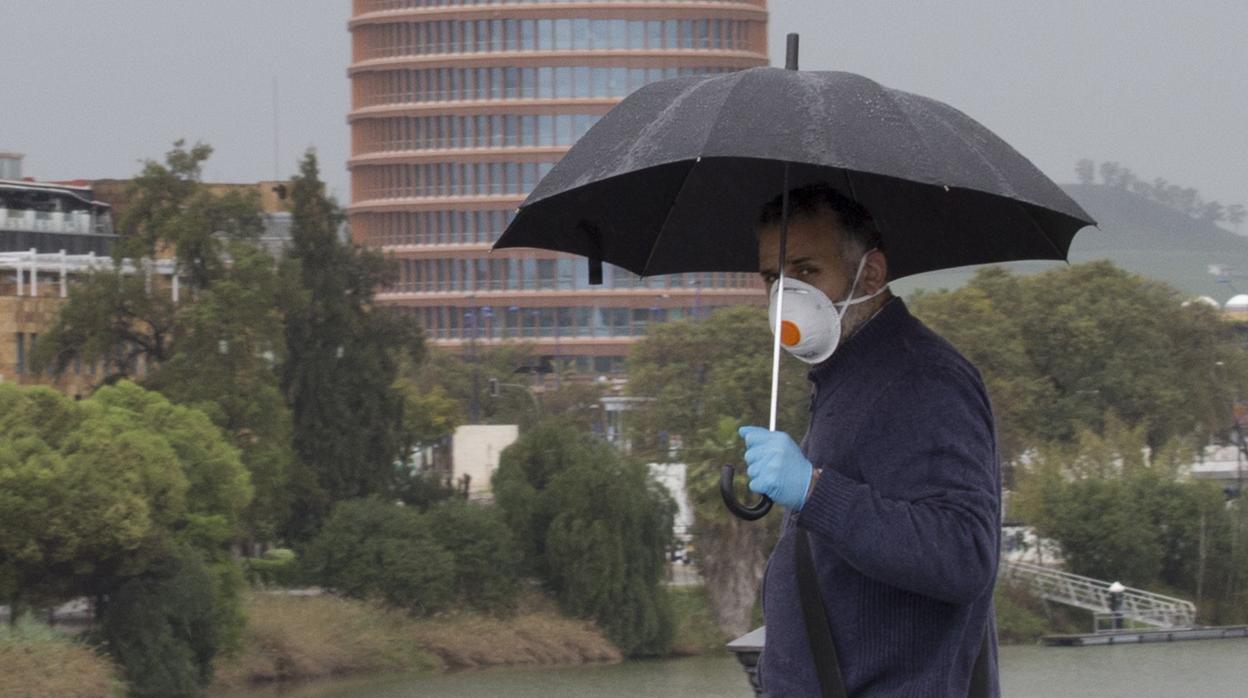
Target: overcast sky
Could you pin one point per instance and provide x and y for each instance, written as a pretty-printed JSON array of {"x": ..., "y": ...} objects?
[{"x": 91, "y": 87}]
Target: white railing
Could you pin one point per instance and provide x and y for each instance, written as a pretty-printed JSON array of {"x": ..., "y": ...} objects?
[
  {"x": 30, "y": 265},
  {"x": 1094, "y": 595}
]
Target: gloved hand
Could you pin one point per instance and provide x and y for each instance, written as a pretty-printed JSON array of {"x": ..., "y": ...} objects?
[{"x": 776, "y": 466}]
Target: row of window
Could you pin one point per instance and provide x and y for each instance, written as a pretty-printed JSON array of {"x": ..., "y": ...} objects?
[
  {"x": 453, "y": 322},
  {"x": 51, "y": 243},
  {"x": 480, "y": 131},
  {"x": 431, "y": 227},
  {"x": 448, "y": 179},
  {"x": 490, "y": 35},
  {"x": 528, "y": 274},
  {"x": 386, "y": 5},
  {"x": 450, "y": 84}
]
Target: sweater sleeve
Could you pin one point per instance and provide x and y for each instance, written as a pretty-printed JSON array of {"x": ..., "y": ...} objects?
[{"x": 926, "y": 518}]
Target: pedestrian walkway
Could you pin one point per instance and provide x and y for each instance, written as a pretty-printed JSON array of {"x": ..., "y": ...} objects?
[{"x": 1094, "y": 595}]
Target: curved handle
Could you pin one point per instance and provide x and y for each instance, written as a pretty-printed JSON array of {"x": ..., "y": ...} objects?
[{"x": 751, "y": 512}]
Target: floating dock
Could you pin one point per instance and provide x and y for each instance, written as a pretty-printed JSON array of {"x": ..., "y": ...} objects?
[{"x": 1135, "y": 637}]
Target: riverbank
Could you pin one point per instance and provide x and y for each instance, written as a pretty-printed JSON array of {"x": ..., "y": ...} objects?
[
  {"x": 39, "y": 662},
  {"x": 299, "y": 637}
]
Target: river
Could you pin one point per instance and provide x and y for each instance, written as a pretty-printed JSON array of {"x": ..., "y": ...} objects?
[{"x": 1205, "y": 669}]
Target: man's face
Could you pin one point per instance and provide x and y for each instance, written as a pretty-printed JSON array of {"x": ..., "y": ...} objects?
[{"x": 814, "y": 253}]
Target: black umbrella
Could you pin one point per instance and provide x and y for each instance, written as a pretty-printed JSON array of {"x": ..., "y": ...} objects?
[{"x": 672, "y": 179}]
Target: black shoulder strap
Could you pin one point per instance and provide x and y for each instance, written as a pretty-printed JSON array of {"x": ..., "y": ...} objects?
[
  {"x": 819, "y": 634},
  {"x": 831, "y": 685}
]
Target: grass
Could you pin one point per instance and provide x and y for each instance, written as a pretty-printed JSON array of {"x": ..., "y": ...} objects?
[
  {"x": 290, "y": 637},
  {"x": 37, "y": 661}
]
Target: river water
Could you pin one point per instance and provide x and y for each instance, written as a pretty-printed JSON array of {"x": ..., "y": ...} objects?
[{"x": 1199, "y": 669}]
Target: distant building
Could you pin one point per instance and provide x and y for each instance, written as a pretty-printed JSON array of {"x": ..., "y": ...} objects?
[
  {"x": 50, "y": 217},
  {"x": 54, "y": 232},
  {"x": 475, "y": 450},
  {"x": 459, "y": 107}
]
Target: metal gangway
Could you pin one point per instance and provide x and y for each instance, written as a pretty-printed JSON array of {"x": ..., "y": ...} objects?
[{"x": 1094, "y": 595}]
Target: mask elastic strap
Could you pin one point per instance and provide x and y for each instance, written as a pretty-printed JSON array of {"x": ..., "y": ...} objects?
[{"x": 843, "y": 306}]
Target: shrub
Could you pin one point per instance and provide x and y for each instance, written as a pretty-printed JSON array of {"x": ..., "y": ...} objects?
[
  {"x": 165, "y": 627},
  {"x": 278, "y": 567},
  {"x": 594, "y": 529},
  {"x": 372, "y": 549},
  {"x": 486, "y": 559}
]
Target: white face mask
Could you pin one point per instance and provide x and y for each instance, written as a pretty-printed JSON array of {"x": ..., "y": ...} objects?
[{"x": 810, "y": 326}]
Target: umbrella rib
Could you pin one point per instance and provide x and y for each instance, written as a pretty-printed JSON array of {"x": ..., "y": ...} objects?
[
  {"x": 654, "y": 246},
  {"x": 1036, "y": 224},
  {"x": 685, "y": 182}
]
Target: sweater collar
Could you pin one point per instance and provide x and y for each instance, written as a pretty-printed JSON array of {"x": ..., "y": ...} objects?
[{"x": 870, "y": 338}]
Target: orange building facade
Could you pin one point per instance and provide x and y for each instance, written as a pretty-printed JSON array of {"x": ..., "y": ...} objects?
[{"x": 459, "y": 107}]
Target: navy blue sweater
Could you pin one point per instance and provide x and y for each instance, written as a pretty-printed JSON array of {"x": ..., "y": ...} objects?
[{"x": 904, "y": 520}]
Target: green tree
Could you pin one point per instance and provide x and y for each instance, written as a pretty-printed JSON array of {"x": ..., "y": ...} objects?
[
  {"x": 100, "y": 495},
  {"x": 594, "y": 528},
  {"x": 230, "y": 340},
  {"x": 167, "y": 208},
  {"x": 110, "y": 320},
  {"x": 1062, "y": 349},
  {"x": 341, "y": 362},
  {"x": 706, "y": 379}
]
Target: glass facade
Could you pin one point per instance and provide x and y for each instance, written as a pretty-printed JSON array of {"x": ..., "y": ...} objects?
[
  {"x": 493, "y": 35},
  {"x": 472, "y": 131},
  {"x": 447, "y": 111},
  {"x": 363, "y": 6},
  {"x": 510, "y": 83}
]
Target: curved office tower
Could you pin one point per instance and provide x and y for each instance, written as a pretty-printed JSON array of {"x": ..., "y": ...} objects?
[{"x": 458, "y": 109}]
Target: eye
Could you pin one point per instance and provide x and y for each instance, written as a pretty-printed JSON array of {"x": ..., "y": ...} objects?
[
  {"x": 807, "y": 271},
  {"x": 769, "y": 278}
]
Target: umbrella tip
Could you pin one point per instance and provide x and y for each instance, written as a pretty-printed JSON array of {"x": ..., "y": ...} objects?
[{"x": 790, "y": 52}]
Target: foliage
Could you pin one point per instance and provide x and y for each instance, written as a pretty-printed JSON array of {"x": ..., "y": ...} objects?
[
  {"x": 1062, "y": 349},
  {"x": 1118, "y": 514},
  {"x": 486, "y": 559},
  {"x": 370, "y": 549},
  {"x": 167, "y": 208},
  {"x": 165, "y": 627},
  {"x": 110, "y": 320},
  {"x": 215, "y": 348},
  {"x": 341, "y": 365},
  {"x": 594, "y": 528},
  {"x": 229, "y": 341},
  {"x": 279, "y": 567},
  {"x": 97, "y": 491},
  {"x": 125, "y": 498}
]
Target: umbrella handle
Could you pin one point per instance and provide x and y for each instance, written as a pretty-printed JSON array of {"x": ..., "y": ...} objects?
[{"x": 751, "y": 512}]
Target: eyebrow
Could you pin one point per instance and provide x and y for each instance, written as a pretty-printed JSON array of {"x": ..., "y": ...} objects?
[{"x": 789, "y": 263}]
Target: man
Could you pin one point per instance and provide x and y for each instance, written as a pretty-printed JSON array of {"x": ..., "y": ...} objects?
[{"x": 896, "y": 486}]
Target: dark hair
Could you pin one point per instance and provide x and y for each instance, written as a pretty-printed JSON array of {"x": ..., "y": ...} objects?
[{"x": 810, "y": 199}]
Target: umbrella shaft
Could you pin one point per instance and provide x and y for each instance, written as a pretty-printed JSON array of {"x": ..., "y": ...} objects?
[{"x": 779, "y": 291}]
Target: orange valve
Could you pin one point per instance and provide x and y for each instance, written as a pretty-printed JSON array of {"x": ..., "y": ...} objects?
[{"x": 789, "y": 334}]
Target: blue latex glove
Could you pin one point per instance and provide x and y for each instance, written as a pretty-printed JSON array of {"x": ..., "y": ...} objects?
[{"x": 776, "y": 466}]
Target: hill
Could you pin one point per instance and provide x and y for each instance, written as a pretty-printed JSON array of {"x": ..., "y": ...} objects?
[{"x": 1139, "y": 235}]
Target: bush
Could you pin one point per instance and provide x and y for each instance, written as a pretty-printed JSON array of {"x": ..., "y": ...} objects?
[
  {"x": 594, "y": 529},
  {"x": 278, "y": 567},
  {"x": 487, "y": 561},
  {"x": 165, "y": 627},
  {"x": 372, "y": 549}
]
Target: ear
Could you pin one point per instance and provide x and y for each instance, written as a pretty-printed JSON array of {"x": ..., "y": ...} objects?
[{"x": 874, "y": 272}]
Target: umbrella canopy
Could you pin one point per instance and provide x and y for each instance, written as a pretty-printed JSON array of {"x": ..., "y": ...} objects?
[{"x": 672, "y": 179}]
